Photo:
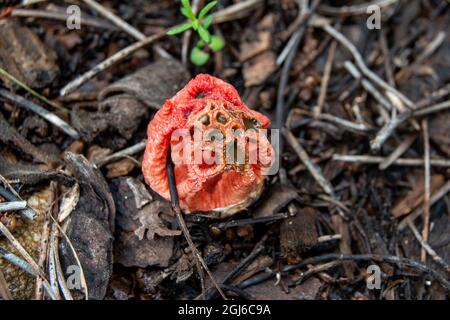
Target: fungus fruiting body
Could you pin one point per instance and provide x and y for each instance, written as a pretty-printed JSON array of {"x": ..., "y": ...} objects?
[{"x": 203, "y": 126}]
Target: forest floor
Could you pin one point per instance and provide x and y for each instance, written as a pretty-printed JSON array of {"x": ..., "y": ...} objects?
[{"x": 359, "y": 208}]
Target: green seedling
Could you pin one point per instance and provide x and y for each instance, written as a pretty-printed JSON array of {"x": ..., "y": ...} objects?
[{"x": 200, "y": 23}]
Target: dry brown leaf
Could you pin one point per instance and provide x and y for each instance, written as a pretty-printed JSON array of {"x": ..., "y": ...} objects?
[
  {"x": 259, "y": 68},
  {"x": 415, "y": 197},
  {"x": 96, "y": 152},
  {"x": 120, "y": 168}
]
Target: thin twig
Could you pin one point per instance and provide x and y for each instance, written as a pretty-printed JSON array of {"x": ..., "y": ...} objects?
[
  {"x": 176, "y": 208},
  {"x": 397, "y": 153},
  {"x": 368, "y": 86},
  {"x": 138, "y": 147},
  {"x": 426, "y": 198},
  {"x": 7, "y": 75},
  {"x": 77, "y": 259},
  {"x": 47, "y": 115},
  {"x": 362, "y": 65},
  {"x": 400, "y": 161},
  {"x": 304, "y": 157},
  {"x": 60, "y": 16},
  {"x": 18, "y": 262},
  {"x": 395, "y": 260},
  {"x": 28, "y": 258},
  {"x": 60, "y": 274},
  {"x": 354, "y": 9},
  {"x": 325, "y": 79},
  {"x": 427, "y": 247},
  {"x": 10, "y": 194},
  {"x": 118, "y": 56},
  {"x": 13, "y": 206},
  {"x": 115, "y": 19},
  {"x": 419, "y": 211},
  {"x": 219, "y": 17},
  {"x": 249, "y": 221}
]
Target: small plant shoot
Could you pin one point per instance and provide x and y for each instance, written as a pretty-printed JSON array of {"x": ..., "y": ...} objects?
[{"x": 208, "y": 42}]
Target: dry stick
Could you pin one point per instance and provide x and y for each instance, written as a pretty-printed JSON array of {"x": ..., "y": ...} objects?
[
  {"x": 387, "y": 59},
  {"x": 54, "y": 245},
  {"x": 220, "y": 16},
  {"x": 47, "y": 115},
  {"x": 304, "y": 157},
  {"x": 43, "y": 252},
  {"x": 370, "y": 88},
  {"x": 362, "y": 66},
  {"x": 432, "y": 109},
  {"x": 10, "y": 194},
  {"x": 236, "y": 11},
  {"x": 45, "y": 236},
  {"x": 399, "y": 261},
  {"x": 418, "y": 212},
  {"x": 43, "y": 14},
  {"x": 71, "y": 86},
  {"x": 347, "y": 125},
  {"x": 427, "y": 247},
  {"x": 122, "y": 24},
  {"x": 316, "y": 269},
  {"x": 13, "y": 206},
  {"x": 402, "y": 147},
  {"x": 18, "y": 262},
  {"x": 434, "y": 96},
  {"x": 389, "y": 127},
  {"x": 289, "y": 51},
  {"x": 412, "y": 162},
  {"x": 5, "y": 294},
  {"x": 429, "y": 50},
  {"x": 426, "y": 198},
  {"x": 355, "y": 9},
  {"x": 329, "y": 237},
  {"x": 28, "y": 258},
  {"x": 325, "y": 79},
  {"x": 259, "y": 247},
  {"x": 52, "y": 273},
  {"x": 176, "y": 208},
  {"x": 138, "y": 147},
  {"x": 5, "y": 74},
  {"x": 75, "y": 254},
  {"x": 115, "y": 19}
]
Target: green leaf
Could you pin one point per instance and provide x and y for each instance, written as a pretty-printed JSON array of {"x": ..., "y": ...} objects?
[
  {"x": 200, "y": 44},
  {"x": 180, "y": 28},
  {"x": 204, "y": 34},
  {"x": 216, "y": 43},
  {"x": 198, "y": 56},
  {"x": 207, "y": 21},
  {"x": 186, "y": 10},
  {"x": 206, "y": 9},
  {"x": 195, "y": 24}
]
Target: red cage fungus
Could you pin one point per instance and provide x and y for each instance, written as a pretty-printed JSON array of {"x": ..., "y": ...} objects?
[{"x": 206, "y": 103}]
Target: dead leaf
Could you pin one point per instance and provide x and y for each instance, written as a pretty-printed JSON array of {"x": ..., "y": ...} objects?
[
  {"x": 120, "y": 168},
  {"x": 151, "y": 223},
  {"x": 138, "y": 222},
  {"x": 257, "y": 41},
  {"x": 257, "y": 70},
  {"x": 96, "y": 152},
  {"x": 415, "y": 197}
]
